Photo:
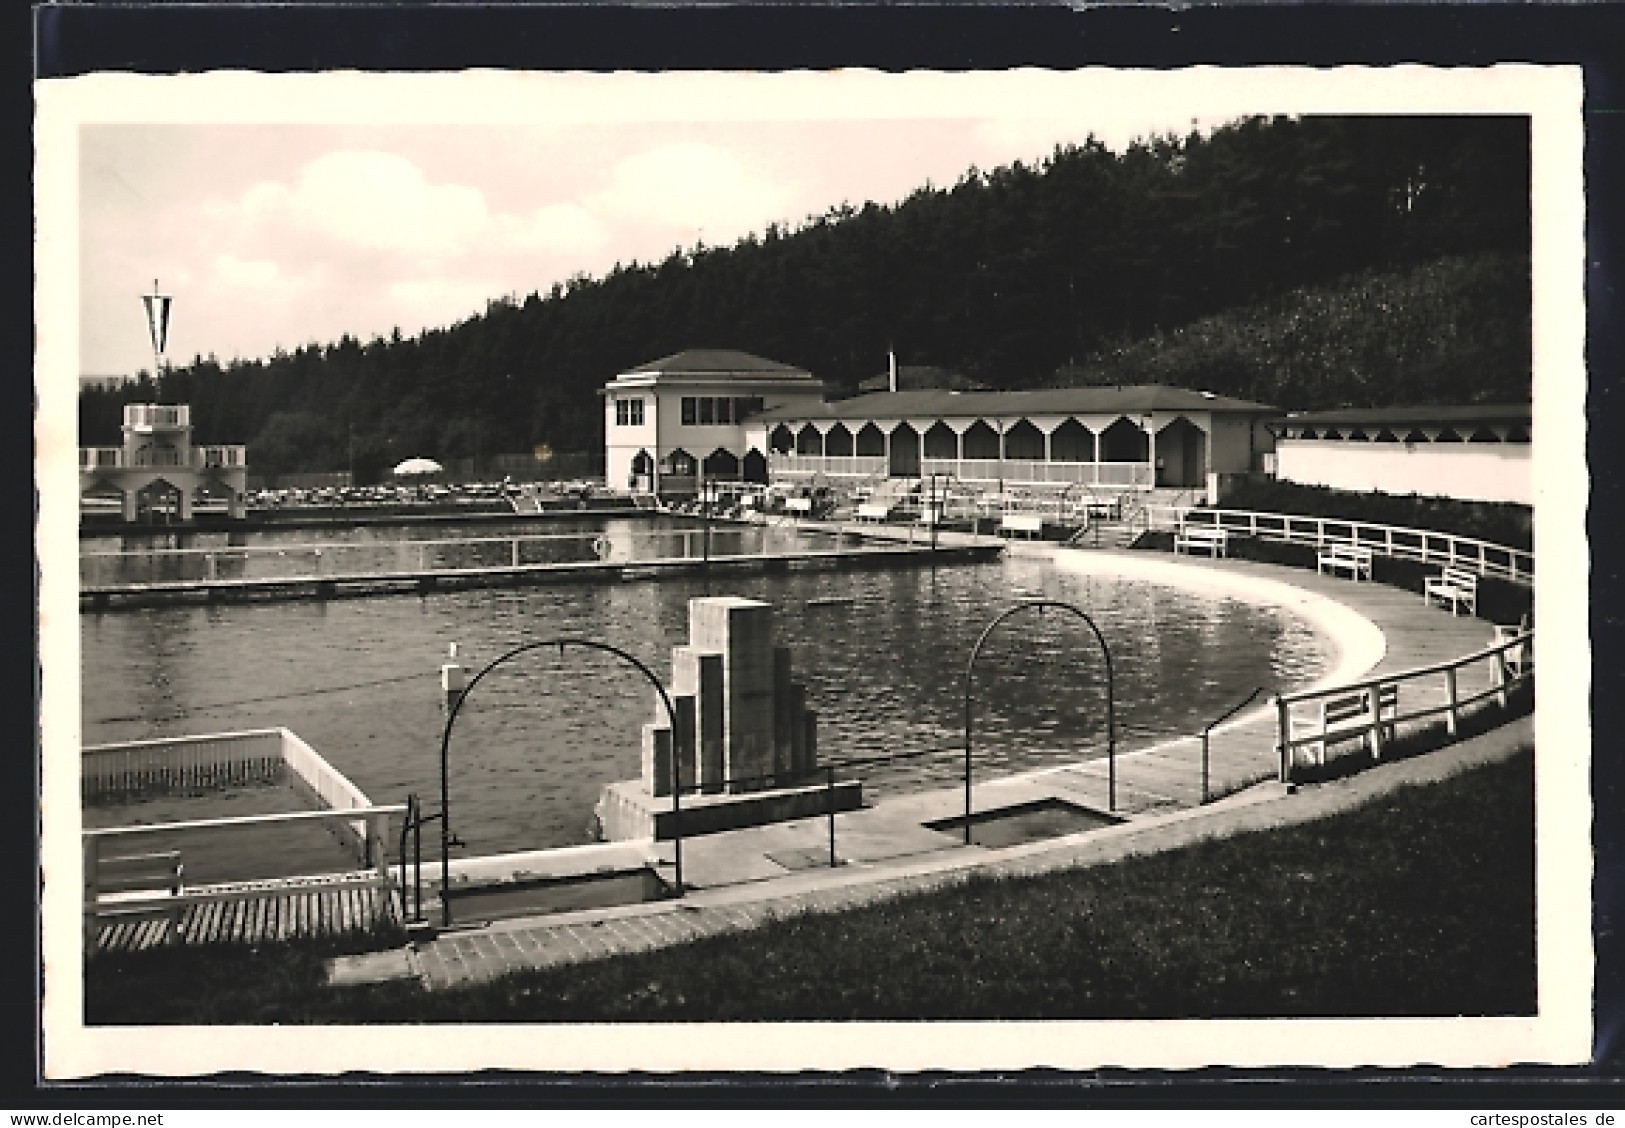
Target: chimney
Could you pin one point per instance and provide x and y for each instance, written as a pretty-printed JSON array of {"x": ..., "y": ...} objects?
[{"x": 892, "y": 356}]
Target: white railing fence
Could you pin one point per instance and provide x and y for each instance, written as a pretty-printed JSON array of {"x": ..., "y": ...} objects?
[
  {"x": 1450, "y": 690},
  {"x": 179, "y": 762},
  {"x": 334, "y": 790},
  {"x": 1422, "y": 545},
  {"x": 407, "y": 558}
]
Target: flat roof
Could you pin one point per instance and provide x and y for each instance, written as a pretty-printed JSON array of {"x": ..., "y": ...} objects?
[
  {"x": 1413, "y": 416},
  {"x": 1109, "y": 399}
]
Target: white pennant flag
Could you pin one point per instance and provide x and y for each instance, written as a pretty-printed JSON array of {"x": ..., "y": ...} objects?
[{"x": 157, "y": 317}]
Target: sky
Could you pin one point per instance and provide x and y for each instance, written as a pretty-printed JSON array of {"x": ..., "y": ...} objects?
[{"x": 274, "y": 235}]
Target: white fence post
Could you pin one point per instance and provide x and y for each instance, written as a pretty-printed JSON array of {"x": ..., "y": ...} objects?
[
  {"x": 1376, "y": 720},
  {"x": 1451, "y": 718}
]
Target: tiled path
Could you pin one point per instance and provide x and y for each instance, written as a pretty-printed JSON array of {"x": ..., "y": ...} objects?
[{"x": 735, "y": 883}]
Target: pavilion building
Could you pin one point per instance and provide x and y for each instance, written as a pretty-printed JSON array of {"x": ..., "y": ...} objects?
[
  {"x": 157, "y": 454},
  {"x": 1115, "y": 438},
  {"x": 673, "y": 422}
]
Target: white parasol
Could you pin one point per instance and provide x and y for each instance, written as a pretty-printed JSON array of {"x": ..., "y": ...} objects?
[{"x": 416, "y": 467}]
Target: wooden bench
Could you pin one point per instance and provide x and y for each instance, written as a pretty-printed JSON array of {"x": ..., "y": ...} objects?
[
  {"x": 1209, "y": 538},
  {"x": 1457, "y": 586},
  {"x": 871, "y": 512},
  {"x": 1348, "y": 717},
  {"x": 1514, "y": 660},
  {"x": 1030, "y": 524},
  {"x": 1350, "y": 558},
  {"x": 136, "y": 885}
]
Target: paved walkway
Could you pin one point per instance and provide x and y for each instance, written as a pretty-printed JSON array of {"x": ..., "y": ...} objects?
[{"x": 738, "y": 879}]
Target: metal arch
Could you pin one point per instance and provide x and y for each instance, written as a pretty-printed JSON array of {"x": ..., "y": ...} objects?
[
  {"x": 451, "y": 719},
  {"x": 1111, "y": 715}
]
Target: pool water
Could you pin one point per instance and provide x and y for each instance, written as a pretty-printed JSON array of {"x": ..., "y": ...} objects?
[{"x": 882, "y": 654}]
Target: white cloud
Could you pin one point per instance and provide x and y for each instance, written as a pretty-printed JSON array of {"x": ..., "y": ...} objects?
[
  {"x": 431, "y": 301},
  {"x": 246, "y": 273},
  {"x": 691, "y": 187},
  {"x": 557, "y": 228},
  {"x": 364, "y": 200}
]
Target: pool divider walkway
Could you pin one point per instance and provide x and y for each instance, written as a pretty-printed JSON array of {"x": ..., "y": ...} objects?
[{"x": 738, "y": 879}]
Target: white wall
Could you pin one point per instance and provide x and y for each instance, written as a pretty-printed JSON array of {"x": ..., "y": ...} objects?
[
  {"x": 621, "y": 444},
  {"x": 1230, "y": 444},
  {"x": 1468, "y": 471}
]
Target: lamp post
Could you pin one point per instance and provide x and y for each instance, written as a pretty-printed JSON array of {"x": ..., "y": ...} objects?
[{"x": 1111, "y": 714}]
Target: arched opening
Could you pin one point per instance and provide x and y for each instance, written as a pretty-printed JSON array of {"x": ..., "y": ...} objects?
[
  {"x": 1415, "y": 437},
  {"x": 1448, "y": 435},
  {"x": 1386, "y": 436},
  {"x": 783, "y": 440},
  {"x": 1024, "y": 441},
  {"x": 905, "y": 452},
  {"x": 161, "y": 502},
  {"x": 721, "y": 463},
  {"x": 980, "y": 441},
  {"x": 680, "y": 463},
  {"x": 642, "y": 463},
  {"x": 1072, "y": 442},
  {"x": 1124, "y": 442},
  {"x": 838, "y": 443},
  {"x": 941, "y": 442},
  {"x": 871, "y": 442},
  {"x": 1181, "y": 454},
  {"x": 1484, "y": 435},
  {"x": 809, "y": 441},
  {"x": 755, "y": 466}
]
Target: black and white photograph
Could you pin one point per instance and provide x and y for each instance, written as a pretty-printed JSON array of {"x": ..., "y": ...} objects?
[{"x": 825, "y": 570}]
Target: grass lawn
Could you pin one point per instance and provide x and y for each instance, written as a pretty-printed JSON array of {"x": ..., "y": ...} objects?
[{"x": 1419, "y": 903}]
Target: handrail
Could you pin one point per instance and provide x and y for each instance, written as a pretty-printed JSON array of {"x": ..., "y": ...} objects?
[
  {"x": 342, "y": 814},
  {"x": 1225, "y": 716},
  {"x": 1297, "y": 697},
  {"x": 1519, "y": 566},
  {"x": 1377, "y": 728}
]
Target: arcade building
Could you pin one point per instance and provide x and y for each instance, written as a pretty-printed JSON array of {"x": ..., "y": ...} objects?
[{"x": 706, "y": 415}]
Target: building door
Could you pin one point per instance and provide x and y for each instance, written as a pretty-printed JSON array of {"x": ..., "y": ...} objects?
[{"x": 905, "y": 452}]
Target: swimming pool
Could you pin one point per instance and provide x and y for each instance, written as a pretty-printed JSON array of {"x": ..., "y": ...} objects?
[{"x": 882, "y": 654}]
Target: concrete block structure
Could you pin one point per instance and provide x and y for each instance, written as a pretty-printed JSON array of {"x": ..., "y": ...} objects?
[{"x": 746, "y": 745}]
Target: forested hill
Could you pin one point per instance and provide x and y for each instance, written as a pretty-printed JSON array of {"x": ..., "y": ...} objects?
[
  {"x": 1007, "y": 276},
  {"x": 1455, "y": 330}
]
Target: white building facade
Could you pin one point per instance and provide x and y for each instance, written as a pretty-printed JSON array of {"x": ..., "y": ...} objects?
[
  {"x": 1468, "y": 453},
  {"x": 674, "y": 423}
]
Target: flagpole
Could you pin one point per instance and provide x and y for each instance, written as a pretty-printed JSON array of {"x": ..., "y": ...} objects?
[{"x": 157, "y": 304}]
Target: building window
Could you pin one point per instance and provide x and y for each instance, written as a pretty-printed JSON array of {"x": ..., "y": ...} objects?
[
  {"x": 746, "y": 406},
  {"x": 725, "y": 410},
  {"x": 629, "y": 413},
  {"x": 689, "y": 411},
  {"x": 707, "y": 412}
]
